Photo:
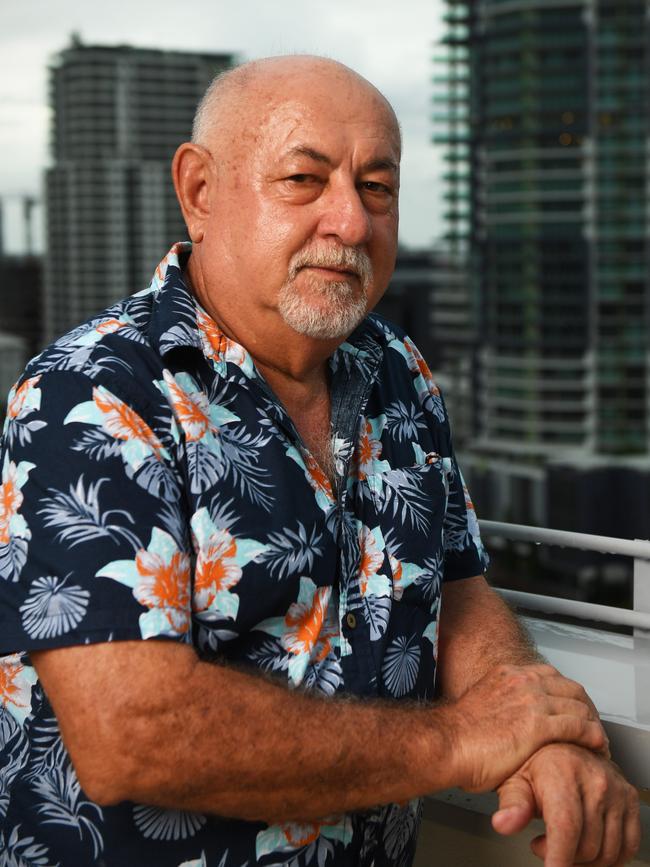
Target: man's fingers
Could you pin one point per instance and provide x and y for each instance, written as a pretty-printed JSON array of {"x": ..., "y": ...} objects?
[
  {"x": 565, "y": 688},
  {"x": 538, "y": 846},
  {"x": 562, "y": 812},
  {"x": 572, "y": 729},
  {"x": 516, "y": 806},
  {"x": 622, "y": 836},
  {"x": 583, "y": 728},
  {"x": 632, "y": 827},
  {"x": 594, "y": 829},
  {"x": 569, "y": 706},
  {"x": 591, "y": 813},
  {"x": 554, "y": 683},
  {"x": 612, "y": 844},
  {"x": 569, "y": 690},
  {"x": 594, "y": 823}
]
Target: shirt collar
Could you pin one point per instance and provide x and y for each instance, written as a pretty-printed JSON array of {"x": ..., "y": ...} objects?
[
  {"x": 173, "y": 314},
  {"x": 179, "y": 322}
]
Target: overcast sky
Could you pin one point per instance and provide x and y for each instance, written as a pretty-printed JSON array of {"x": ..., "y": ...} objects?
[{"x": 391, "y": 43}]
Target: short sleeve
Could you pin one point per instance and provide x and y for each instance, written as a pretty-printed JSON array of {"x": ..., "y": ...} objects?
[
  {"x": 464, "y": 553},
  {"x": 93, "y": 539}
]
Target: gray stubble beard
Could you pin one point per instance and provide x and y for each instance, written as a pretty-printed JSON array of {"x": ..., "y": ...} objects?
[{"x": 340, "y": 306}]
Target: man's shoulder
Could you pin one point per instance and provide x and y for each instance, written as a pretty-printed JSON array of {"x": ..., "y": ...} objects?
[
  {"x": 106, "y": 340},
  {"x": 108, "y": 370},
  {"x": 131, "y": 334}
]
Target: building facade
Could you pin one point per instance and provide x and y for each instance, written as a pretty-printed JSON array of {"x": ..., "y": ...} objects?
[
  {"x": 548, "y": 136},
  {"x": 118, "y": 114}
]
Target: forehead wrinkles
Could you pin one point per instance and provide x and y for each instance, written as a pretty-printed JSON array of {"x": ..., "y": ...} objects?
[
  {"x": 260, "y": 117},
  {"x": 295, "y": 125}
]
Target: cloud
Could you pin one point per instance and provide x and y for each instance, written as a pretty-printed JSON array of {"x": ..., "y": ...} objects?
[{"x": 389, "y": 43}]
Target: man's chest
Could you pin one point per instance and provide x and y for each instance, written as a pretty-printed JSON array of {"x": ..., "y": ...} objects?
[
  {"x": 295, "y": 576},
  {"x": 313, "y": 425}
]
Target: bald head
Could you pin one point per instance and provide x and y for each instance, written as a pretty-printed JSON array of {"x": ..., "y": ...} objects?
[{"x": 235, "y": 97}]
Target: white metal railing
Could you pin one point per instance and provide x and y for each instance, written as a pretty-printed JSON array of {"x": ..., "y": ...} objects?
[{"x": 638, "y": 549}]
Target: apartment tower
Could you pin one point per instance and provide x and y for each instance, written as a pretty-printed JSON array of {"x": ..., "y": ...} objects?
[
  {"x": 118, "y": 114},
  {"x": 548, "y": 197}
]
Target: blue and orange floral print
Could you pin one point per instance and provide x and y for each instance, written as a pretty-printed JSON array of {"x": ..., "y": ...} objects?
[{"x": 154, "y": 488}]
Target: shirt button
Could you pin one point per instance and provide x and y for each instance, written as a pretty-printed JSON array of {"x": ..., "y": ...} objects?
[{"x": 351, "y": 620}]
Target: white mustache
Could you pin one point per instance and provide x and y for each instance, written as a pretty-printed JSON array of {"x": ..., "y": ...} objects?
[{"x": 338, "y": 258}]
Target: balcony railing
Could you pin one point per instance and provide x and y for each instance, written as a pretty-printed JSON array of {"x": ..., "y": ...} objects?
[
  {"x": 615, "y": 670},
  {"x": 638, "y": 550}
]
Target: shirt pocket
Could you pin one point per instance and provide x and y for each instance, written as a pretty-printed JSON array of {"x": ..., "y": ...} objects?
[{"x": 405, "y": 508}]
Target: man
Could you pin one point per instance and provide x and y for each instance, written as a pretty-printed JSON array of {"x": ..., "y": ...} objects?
[{"x": 233, "y": 475}]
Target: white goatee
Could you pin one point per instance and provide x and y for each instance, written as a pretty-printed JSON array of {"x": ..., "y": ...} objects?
[{"x": 326, "y": 309}]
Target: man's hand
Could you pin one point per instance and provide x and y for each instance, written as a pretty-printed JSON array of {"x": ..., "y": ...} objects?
[
  {"x": 591, "y": 812},
  {"x": 501, "y": 721}
]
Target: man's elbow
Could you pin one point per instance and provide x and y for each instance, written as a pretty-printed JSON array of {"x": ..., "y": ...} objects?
[
  {"x": 108, "y": 700},
  {"x": 103, "y": 742},
  {"x": 102, "y": 792},
  {"x": 126, "y": 762},
  {"x": 103, "y": 777}
]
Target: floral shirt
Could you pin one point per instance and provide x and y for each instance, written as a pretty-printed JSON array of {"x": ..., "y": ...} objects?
[{"x": 153, "y": 487}]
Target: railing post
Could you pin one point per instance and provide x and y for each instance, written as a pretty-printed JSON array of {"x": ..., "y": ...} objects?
[
  {"x": 642, "y": 673},
  {"x": 641, "y": 587}
]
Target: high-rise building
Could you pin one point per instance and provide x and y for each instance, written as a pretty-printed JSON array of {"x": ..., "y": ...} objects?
[
  {"x": 548, "y": 135},
  {"x": 118, "y": 114}
]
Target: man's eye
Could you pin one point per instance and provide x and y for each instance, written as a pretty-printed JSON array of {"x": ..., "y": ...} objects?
[
  {"x": 376, "y": 187},
  {"x": 303, "y": 179}
]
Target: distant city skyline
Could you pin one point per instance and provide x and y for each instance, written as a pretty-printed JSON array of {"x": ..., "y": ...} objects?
[{"x": 392, "y": 46}]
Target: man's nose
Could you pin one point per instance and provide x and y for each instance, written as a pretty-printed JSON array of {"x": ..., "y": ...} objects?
[{"x": 344, "y": 216}]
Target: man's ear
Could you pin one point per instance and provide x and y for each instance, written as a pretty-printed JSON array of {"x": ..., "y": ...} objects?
[{"x": 193, "y": 173}]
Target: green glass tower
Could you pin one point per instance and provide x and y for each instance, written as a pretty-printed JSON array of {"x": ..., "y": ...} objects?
[{"x": 548, "y": 195}]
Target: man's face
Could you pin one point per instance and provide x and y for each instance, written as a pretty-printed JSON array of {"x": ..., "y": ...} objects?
[{"x": 304, "y": 210}]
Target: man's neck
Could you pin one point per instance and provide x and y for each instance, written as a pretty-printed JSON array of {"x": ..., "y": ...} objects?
[
  {"x": 293, "y": 364},
  {"x": 299, "y": 392},
  {"x": 309, "y": 407}
]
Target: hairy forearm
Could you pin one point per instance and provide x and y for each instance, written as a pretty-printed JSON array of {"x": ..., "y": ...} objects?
[
  {"x": 147, "y": 721},
  {"x": 478, "y": 632},
  {"x": 272, "y": 755},
  {"x": 227, "y": 742}
]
